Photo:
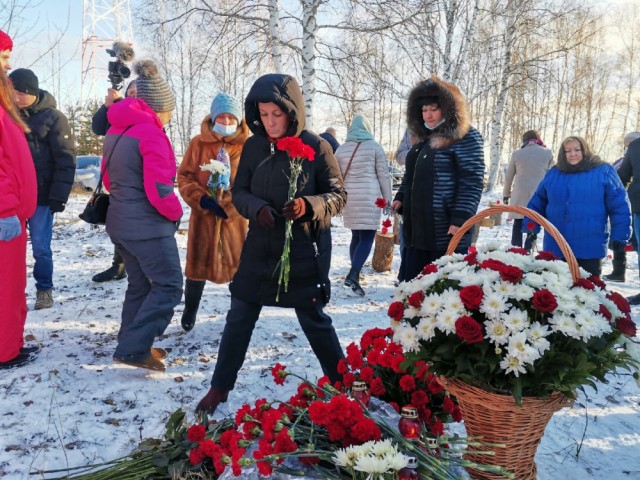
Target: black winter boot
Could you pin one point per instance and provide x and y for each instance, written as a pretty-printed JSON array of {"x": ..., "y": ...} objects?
[
  {"x": 114, "y": 272},
  {"x": 192, "y": 295},
  {"x": 352, "y": 281},
  {"x": 619, "y": 268}
]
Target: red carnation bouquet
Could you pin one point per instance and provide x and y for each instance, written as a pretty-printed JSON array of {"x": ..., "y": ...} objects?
[
  {"x": 381, "y": 364},
  {"x": 386, "y": 210},
  {"x": 298, "y": 152},
  {"x": 510, "y": 322}
]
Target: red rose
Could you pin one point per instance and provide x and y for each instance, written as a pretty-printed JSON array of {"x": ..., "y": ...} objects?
[
  {"x": 471, "y": 297},
  {"x": 416, "y": 299},
  {"x": 473, "y": 249},
  {"x": 492, "y": 264},
  {"x": 431, "y": 268},
  {"x": 456, "y": 414},
  {"x": 396, "y": 311},
  {"x": 381, "y": 202},
  {"x": 518, "y": 250},
  {"x": 584, "y": 283},
  {"x": 597, "y": 281},
  {"x": 544, "y": 301},
  {"x": 468, "y": 329},
  {"x": 511, "y": 274},
  {"x": 472, "y": 257},
  {"x": 196, "y": 433},
  {"x": 448, "y": 405},
  {"x": 620, "y": 301},
  {"x": 544, "y": 255},
  {"x": 626, "y": 325}
]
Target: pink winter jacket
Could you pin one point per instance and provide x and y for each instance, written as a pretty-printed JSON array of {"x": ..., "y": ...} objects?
[{"x": 141, "y": 173}]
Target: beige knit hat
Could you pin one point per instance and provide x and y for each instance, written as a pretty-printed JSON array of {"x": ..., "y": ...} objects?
[{"x": 152, "y": 89}]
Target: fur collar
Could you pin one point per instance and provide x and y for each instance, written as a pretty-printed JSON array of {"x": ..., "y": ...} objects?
[
  {"x": 588, "y": 163},
  {"x": 454, "y": 107}
]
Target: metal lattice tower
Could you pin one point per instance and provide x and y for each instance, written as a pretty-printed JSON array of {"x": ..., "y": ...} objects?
[{"x": 103, "y": 22}]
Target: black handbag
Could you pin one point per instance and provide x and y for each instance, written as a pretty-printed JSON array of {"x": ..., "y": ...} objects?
[{"x": 95, "y": 212}]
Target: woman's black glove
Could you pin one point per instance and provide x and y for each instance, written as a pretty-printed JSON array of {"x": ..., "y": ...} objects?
[
  {"x": 208, "y": 203},
  {"x": 266, "y": 216}
]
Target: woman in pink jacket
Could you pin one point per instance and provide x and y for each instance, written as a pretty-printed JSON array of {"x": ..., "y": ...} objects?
[
  {"x": 18, "y": 192},
  {"x": 143, "y": 216}
]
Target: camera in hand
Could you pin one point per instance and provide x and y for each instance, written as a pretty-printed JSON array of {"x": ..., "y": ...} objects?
[{"x": 118, "y": 71}]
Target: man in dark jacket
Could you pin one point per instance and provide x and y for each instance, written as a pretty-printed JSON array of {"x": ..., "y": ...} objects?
[
  {"x": 53, "y": 151},
  {"x": 274, "y": 110},
  {"x": 330, "y": 136},
  {"x": 629, "y": 173}
]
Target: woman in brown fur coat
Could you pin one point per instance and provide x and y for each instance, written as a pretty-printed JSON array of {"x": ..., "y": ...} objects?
[{"x": 216, "y": 230}]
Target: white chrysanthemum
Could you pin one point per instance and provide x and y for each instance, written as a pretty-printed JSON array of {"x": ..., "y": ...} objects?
[
  {"x": 371, "y": 464},
  {"x": 431, "y": 304},
  {"x": 410, "y": 312},
  {"x": 215, "y": 167},
  {"x": 536, "y": 335},
  {"x": 397, "y": 461},
  {"x": 523, "y": 292},
  {"x": 383, "y": 448},
  {"x": 488, "y": 276},
  {"x": 427, "y": 281},
  {"x": 516, "y": 320},
  {"x": 489, "y": 246},
  {"x": 506, "y": 289},
  {"x": 592, "y": 324},
  {"x": 451, "y": 300},
  {"x": 472, "y": 278},
  {"x": 513, "y": 365},
  {"x": 611, "y": 306},
  {"x": 519, "y": 348},
  {"x": 407, "y": 336},
  {"x": 564, "y": 324},
  {"x": 534, "y": 280},
  {"x": 455, "y": 257},
  {"x": 497, "y": 332},
  {"x": 494, "y": 305},
  {"x": 446, "y": 320},
  {"x": 343, "y": 458},
  {"x": 587, "y": 297},
  {"x": 426, "y": 329}
]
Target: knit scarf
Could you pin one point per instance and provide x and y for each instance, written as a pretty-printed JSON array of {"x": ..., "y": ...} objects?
[{"x": 585, "y": 164}]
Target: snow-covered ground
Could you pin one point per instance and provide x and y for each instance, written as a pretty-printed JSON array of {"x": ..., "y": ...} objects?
[{"x": 73, "y": 406}]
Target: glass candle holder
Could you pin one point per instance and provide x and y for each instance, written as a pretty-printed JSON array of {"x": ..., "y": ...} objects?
[
  {"x": 360, "y": 392},
  {"x": 409, "y": 424},
  {"x": 410, "y": 472}
]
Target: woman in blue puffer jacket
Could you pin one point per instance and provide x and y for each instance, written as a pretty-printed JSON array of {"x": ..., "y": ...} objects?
[{"x": 582, "y": 196}]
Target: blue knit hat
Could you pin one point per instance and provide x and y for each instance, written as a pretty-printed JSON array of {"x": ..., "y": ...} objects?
[{"x": 225, "y": 103}]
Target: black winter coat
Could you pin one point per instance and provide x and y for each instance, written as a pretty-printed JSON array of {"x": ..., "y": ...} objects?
[
  {"x": 629, "y": 171},
  {"x": 52, "y": 148},
  {"x": 262, "y": 179},
  {"x": 99, "y": 122}
]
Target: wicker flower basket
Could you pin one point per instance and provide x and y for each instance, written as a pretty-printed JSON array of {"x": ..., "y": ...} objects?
[{"x": 496, "y": 418}]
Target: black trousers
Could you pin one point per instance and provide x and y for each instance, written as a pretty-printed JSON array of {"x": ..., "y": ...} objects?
[
  {"x": 591, "y": 265},
  {"x": 516, "y": 235},
  {"x": 241, "y": 320},
  {"x": 414, "y": 260}
]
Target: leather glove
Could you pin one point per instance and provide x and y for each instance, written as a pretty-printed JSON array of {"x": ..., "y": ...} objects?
[
  {"x": 505, "y": 200},
  {"x": 10, "y": 228},
  {"x": 617, "y": 246},
  {"x": 294, "y": 209},
  {"x": 208, "y": 203},
  {"x": 266, "y": 216},
  {"x": 56, "y": 206}
]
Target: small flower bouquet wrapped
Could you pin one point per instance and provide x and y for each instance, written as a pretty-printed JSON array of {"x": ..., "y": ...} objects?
[{"x": 219, "y": 181}]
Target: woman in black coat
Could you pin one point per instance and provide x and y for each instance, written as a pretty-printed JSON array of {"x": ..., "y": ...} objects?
[{"x": 274, "y": 109}]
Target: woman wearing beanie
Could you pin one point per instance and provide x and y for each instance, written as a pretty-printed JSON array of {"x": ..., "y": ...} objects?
[
  {"x": 274, "y": 109},
  {"x": 366, "y": 177},
  {"x": 140, "y": 168},
  {"x": 216, "y": 229}
]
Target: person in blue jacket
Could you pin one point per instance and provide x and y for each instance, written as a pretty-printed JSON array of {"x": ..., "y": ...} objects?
[{"x": 583, "y": 197}]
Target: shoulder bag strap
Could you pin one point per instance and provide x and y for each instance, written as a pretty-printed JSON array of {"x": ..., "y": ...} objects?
[
  {"x": 344, "y": 175},
  {"x": 106, "y": 165}
]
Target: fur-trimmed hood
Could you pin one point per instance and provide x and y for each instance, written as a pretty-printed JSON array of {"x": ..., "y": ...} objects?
[{"x": 457, "y": 121}]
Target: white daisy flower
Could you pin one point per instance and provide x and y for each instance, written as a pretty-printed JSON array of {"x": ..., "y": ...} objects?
[
  {"x": 497, "y": 332},
  {"x": 513, "y": 365},
  {"x": 494, "y": 305}
]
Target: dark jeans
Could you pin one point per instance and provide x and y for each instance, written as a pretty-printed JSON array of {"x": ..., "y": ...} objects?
[
  {"x": 516, "y": 235},
  {"x": 41, "y": 231},
  {"x": 591, "y": 265},
  {"x": 360, "y": 247},
  {"x": 154, "y": 288},
  {"x": 414, "y": 260},
  {"x": 241, "y": 320}
]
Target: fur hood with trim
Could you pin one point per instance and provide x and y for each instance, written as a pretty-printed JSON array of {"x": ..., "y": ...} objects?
[{"x": 457, "y": 120}]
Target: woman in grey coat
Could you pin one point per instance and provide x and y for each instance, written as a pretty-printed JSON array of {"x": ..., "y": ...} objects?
[
  {"x": 366, "y": 178},
  {"x": 525, "y": 171}
]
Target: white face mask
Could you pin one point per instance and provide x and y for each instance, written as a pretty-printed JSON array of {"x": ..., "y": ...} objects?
[
  {"x": 224, "y": 130},
  {"x": 435, "y": 126}
]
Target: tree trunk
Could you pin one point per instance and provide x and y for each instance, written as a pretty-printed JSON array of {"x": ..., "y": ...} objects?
[
  {"x": 309, "y": 34},
  {"x": 383, "y": 252}
]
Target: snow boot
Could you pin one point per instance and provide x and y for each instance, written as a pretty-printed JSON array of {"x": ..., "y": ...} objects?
[
  {"x": 44, "y": 299},
  {"x": 25, "y": 356},
  {"x": 619, "y": 268},
  {"x": 210, "y": 402},
  {"x": 352, "y": 281},
  {"x": 114, "y": 272},
  {"x": 150, "y": 363},
  {"x": 192, "y": 295}
]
